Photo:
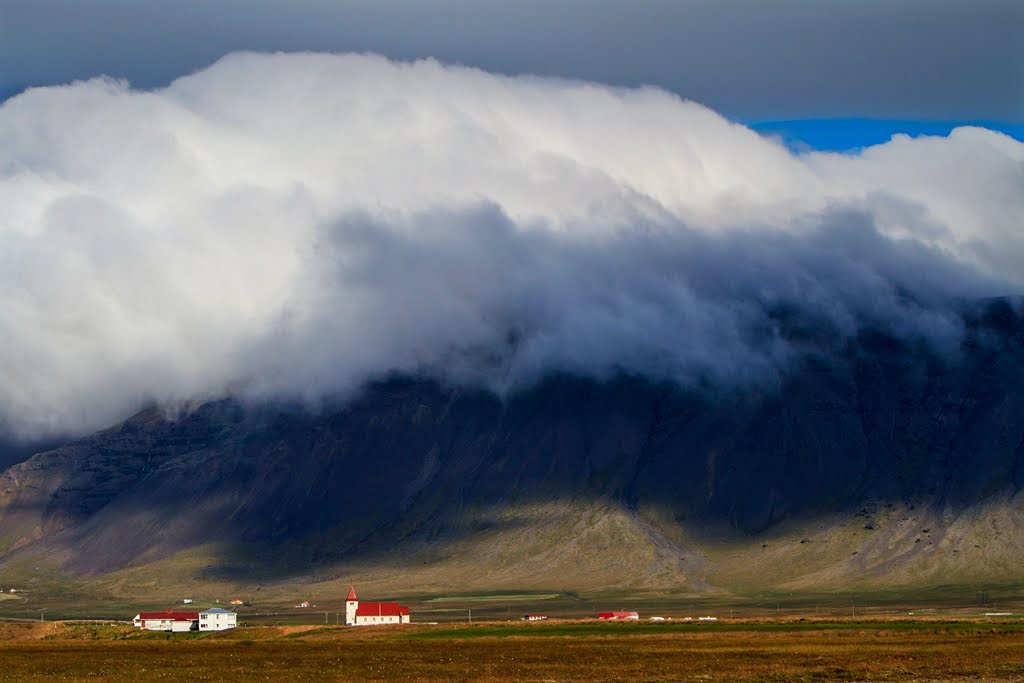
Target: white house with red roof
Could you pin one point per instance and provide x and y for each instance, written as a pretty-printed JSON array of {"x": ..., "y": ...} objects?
[
  {"x": 167, "y": 621},
  {"x": 373, "y": 613}
]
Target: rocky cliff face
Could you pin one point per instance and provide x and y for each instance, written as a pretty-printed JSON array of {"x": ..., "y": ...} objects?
[{"x": 426, "y": 469}]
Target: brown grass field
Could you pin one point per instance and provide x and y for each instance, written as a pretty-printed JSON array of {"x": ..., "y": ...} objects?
[{"x": 754, "y": 650}]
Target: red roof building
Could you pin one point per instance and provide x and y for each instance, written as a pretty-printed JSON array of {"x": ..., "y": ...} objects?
[
  {"x": 368, "y": 613},
  {"x": 381, "y": 609},
  {"x": 167, "y": 621},
  {"x": 617, "y": 616}
]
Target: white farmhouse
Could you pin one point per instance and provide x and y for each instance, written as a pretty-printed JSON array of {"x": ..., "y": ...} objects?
[
  {"x": 167, "y": 621},
  {"x": 217, "y": 619}
]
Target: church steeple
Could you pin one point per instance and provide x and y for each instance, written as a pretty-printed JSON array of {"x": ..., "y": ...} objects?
[{"x": 351, "y": 607}]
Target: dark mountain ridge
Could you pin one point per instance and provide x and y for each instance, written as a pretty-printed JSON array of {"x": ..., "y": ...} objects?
[{"x": 850, "y": 428}]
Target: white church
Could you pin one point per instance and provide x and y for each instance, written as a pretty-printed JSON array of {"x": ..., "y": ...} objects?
[{"x": 373, "y": 613}]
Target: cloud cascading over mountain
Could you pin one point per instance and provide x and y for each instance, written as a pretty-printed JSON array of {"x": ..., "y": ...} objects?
[{"x": 294, "y": 225}]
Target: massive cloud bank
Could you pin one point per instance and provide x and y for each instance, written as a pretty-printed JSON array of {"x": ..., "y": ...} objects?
[{"x": 294, "y": 225}]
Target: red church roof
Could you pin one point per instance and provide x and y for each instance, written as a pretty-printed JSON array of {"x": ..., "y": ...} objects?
[
  {"x": 381, "y": 609},
  {"x": 351, "y": 594},
  {"x": 169, "y": 614}
]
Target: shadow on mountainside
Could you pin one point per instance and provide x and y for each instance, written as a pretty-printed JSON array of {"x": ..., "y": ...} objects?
[{"x": 412, "y": 463}]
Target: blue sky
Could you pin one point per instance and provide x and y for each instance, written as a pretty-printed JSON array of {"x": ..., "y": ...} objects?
[
  {"x": 827, "y": 75},
  {"x": 847, "y": 134}
]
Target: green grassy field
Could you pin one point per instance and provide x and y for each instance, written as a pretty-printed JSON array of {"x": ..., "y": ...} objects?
[
  {"x": 757, "y": 650},
  {"x": 495, "y": 597},
  {"x": 941, "y": 601}
]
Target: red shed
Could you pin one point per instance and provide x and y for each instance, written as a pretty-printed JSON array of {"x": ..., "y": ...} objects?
[{"x": 617, "y": 616}]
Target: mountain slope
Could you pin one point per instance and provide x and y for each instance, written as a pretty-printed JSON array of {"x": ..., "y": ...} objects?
[{"x": 872, "y": 461}]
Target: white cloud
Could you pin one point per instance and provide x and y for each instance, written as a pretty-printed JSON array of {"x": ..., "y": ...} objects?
[{"x": 297, "y": 224}]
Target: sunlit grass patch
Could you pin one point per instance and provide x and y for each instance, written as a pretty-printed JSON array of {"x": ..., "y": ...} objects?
[{"x": 743, "y": 652}]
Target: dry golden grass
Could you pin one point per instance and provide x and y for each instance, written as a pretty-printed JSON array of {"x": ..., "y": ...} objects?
[{"x": 763, "y": 651}]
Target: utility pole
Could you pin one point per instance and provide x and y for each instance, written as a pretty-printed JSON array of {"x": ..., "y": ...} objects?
[{"x": 471, "y": 615}]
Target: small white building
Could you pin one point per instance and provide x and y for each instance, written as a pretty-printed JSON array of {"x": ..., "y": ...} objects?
[{"x": 217, "y": 619}]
